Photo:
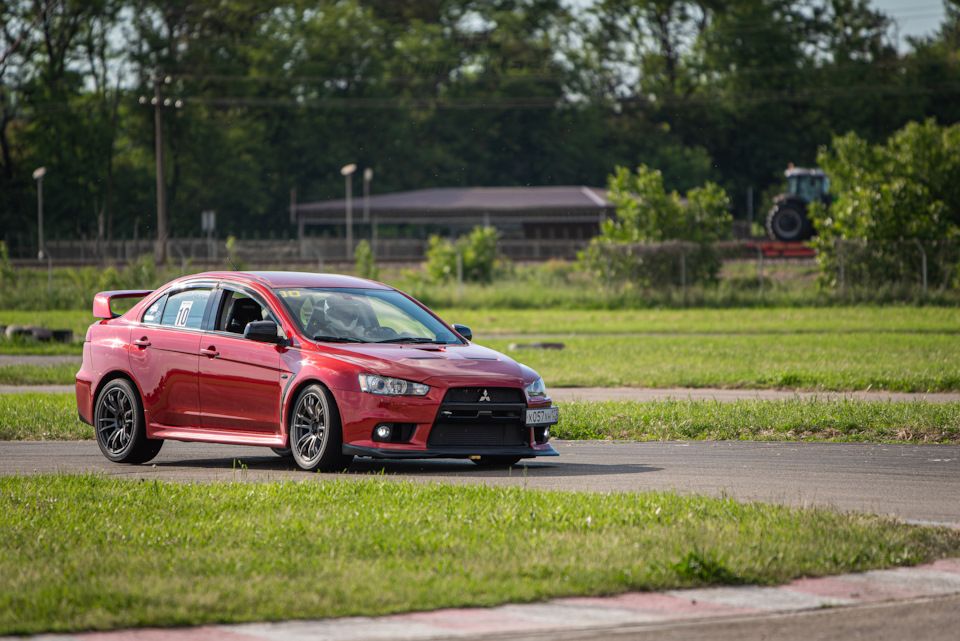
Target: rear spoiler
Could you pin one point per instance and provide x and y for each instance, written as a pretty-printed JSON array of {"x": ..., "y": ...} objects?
[{"x": 101, "y": 302}]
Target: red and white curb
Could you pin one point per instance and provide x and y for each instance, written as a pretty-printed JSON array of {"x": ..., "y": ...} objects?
[{"x": 941, "y": 578}]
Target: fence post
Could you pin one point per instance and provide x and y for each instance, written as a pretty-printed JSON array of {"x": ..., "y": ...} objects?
[
  {"x": 923, "y": 265},
  {"x": 843, "y": 280},
  {"x": 683, "y": 274},
  {"x": 459, "y": 274},
  {"x": 760, "y": 263}
]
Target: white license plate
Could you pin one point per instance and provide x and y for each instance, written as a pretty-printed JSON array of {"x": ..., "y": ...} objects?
[{"x": 547, "y": 415}]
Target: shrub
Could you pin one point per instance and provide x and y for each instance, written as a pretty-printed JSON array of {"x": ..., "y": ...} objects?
[
  {"x": 477, "y": 251},
  {"x": 658, "y": 238},
  {"x": 365, "y": 263}
]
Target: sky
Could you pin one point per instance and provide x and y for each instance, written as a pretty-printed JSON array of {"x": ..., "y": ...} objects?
[{"x": 914, "y": 17}]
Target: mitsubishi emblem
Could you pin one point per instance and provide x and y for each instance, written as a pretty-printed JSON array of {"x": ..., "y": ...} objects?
[{"x": 484, "y": 397}]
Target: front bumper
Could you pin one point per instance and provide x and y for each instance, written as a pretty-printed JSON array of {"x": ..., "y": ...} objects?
[{"x": 449, "y": 452}]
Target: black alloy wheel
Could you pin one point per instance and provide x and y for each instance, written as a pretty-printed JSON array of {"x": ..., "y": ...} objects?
[{"x": 119, "y": 424}]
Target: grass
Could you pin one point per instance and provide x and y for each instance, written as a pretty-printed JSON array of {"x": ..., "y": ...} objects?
[
  {"x": 164, "y": 554},
  {"x": 849, "y": 421},
  {"x": 42, "y": 417},
  {"x": 904, "y": 362},
  {"x": 713, "y": 322},
  {"x": 896, "y": 349},
  {"x": 29, "y": 374}
]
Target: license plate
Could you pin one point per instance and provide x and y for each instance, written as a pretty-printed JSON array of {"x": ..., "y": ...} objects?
[{"x": 547, "y": 415}]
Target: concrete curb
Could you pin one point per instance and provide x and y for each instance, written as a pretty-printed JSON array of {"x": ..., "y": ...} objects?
[{"x": 576, "y": 616}]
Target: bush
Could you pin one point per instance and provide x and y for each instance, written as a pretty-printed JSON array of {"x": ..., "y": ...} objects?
[
  {"x": 896, "y": 202},
  {"x": 477, "y": 251},
  {"x": 365, "y": 263},
  {"x": 659, "y": 239}
]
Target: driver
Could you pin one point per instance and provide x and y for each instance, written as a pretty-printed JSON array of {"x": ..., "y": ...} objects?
[{"x": 344, "y": 316}]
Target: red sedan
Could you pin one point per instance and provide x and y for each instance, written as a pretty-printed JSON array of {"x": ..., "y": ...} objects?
[{"x": 319, "y": 367}]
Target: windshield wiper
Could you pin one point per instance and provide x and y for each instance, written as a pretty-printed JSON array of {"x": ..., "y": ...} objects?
[
  {"x": 408, "y": 339},
  {"x": 337, "y": 339}
]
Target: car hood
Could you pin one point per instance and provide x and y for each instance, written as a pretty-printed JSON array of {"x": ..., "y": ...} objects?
[{"x": 422, "y": 362}]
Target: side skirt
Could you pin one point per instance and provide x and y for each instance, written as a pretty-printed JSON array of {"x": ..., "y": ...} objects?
[{"x": 202, "y": 435}]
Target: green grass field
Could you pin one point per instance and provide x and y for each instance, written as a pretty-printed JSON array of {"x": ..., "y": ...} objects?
[
  {"x": 88, "y": 553},
  {"x": 898, "y": 349},
  {"x": 855, "y": 361},
  {"x": 53, "y": 417}
]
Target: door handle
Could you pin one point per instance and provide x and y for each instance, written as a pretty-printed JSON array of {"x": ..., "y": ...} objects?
[
  {"x": 142, "y": 342},
  {"x": 210, "y": 351}
]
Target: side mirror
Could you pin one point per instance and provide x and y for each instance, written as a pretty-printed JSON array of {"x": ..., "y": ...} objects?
[
  {"x": 464, "y": 331},
  {"x": 263, "y": 332}
]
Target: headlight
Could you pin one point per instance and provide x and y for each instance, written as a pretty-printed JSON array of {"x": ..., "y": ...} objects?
[
  {"x": 536, "y": 388},
  {"x": 385, "y": 386}
]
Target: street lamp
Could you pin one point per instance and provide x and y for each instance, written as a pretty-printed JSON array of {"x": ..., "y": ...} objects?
[
  {"x": 347, "y": 172},
  {"x": 38, "y": 176},
  {"x": 367, "y": 177}
]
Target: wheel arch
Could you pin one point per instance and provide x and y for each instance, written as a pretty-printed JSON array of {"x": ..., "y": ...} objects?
[
  {"x": 109, "y": 377},
  {"x": 290, "y": 399}
]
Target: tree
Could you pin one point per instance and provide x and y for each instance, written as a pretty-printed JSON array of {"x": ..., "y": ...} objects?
[
  {"x": 895, "y": 201},
  {"x": 641, "y": 244}
]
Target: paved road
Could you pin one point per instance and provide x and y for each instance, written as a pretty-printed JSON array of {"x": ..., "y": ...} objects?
[{"x": 916, "y": 482}]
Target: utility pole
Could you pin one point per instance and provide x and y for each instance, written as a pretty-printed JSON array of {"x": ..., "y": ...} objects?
[
  {"x": 160, "y": 251},
  {"x": 159, "y": 102}
]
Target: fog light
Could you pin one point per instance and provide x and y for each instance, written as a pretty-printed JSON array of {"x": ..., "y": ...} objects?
[{"x": 382, "y": 432}]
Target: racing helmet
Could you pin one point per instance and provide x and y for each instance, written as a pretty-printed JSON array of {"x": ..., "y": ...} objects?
[{"x": 343, "y": 312}]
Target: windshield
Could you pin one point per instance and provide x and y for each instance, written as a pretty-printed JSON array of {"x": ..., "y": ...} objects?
[{"x": 363, "y": 316}]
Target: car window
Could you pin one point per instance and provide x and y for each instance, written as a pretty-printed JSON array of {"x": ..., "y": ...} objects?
[
  {"x": 186, "y": 308},
  {"x": 152, "y": 314},
  {"x": 389, "y": 315},
  {"x": 367, "y": 315},
  {"x": 237, "y": 310}
]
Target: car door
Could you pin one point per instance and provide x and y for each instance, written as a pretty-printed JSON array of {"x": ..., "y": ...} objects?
[
  {"x": 164, "y": 356},
  {"x": 240, "y": 379}
]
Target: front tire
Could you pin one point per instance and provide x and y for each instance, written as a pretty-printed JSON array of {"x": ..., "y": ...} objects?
[
  {"x": 316, "y": 438},
  {"x": 119, "y": 424}
]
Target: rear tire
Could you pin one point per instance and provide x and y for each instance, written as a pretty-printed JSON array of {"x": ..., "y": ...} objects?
[
  {"x": 316, "y": 438},
  {"x": 119, "y": 425},
  {"x": 788, "y": 223}
]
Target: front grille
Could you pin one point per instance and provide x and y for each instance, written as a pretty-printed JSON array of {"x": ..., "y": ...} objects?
[
  {"x": 488, "y": 394},
  {"x": 475, "y": 436},
  {"x": 464, "y": 420}
]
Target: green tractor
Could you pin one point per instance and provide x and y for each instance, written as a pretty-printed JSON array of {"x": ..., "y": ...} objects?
[{"x": 788, "y": 220}]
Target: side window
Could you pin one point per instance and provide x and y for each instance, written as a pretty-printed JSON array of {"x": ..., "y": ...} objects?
[
  {"x": 186, "y": 308},
  {"x": 237, "y": 310},
  {"x": 152, "y": 315}
]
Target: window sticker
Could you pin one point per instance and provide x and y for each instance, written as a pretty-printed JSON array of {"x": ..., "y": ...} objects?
[{"x": 183, "y": 313}]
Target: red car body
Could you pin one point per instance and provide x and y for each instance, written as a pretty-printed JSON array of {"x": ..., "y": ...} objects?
[{"x": 176, "y": 366}]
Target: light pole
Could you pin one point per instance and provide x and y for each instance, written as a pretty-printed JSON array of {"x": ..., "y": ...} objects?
[
  {"x": 41, "y": 251},
  {"x": 38, "y": 176},
  {"x": 347, "y": 172},
  {"x": 367, "y": 177}
]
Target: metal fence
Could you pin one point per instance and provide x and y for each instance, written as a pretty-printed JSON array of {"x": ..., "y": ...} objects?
[
  {"x": 848, "y": 267},
  {"x": 307, "y": 251}
]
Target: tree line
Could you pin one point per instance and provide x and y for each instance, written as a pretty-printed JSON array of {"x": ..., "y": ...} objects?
[{"x": 276, "y": 96}]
